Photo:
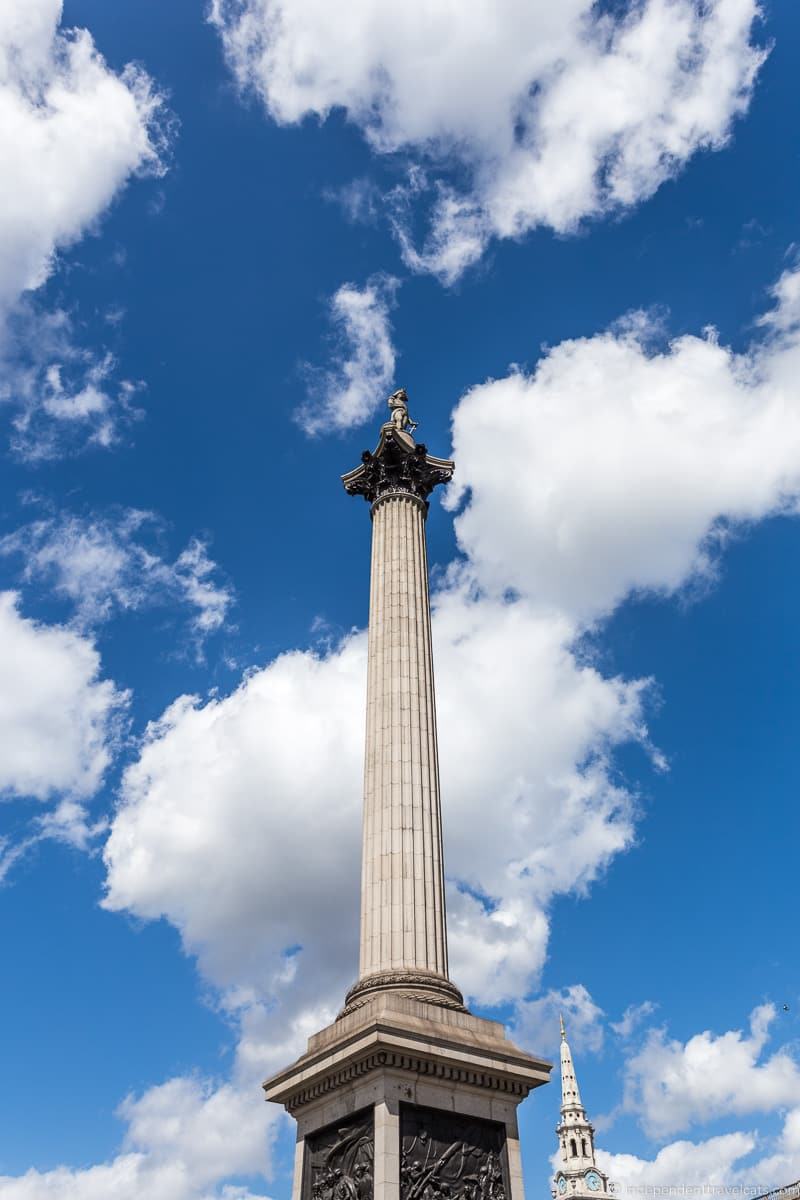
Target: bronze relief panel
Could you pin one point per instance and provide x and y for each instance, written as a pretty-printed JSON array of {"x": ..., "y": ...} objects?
[
  {"x": 338, "y": 1160},
  {"x": 444, "y": 1156}
]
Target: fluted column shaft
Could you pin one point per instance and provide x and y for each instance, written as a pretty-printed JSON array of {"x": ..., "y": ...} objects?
[{"x": 402, "y": 892}]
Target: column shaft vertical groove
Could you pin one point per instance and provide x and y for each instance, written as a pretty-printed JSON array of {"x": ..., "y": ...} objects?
[{"x": 403, "y": 910}]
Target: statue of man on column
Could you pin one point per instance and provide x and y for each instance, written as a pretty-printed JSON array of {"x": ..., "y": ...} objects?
[{"x": 398, "y": 406}]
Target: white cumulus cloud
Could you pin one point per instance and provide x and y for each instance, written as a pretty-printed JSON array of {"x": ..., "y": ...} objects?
[
  {"x": 634, "y": 91},
  {"x": 725, "y": 1161},
  {"x": 280, "y": 759},
  {"x": 183, "y": 1139},
  {"x": 619, "y": 466},
  {"x": 672, "y": 1085},
  {"x": 681, "y": 1164},
  {"x": 781, "y": 1163},
  {"x": 58, "y": 717},
  {"x": 72, "y": 133}
]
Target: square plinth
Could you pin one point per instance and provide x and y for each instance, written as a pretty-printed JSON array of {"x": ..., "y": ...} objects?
[{"x": 403, "y": 1100}]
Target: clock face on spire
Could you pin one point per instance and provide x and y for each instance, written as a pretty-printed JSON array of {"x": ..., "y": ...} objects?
[{"x": 593, "y": 1181}]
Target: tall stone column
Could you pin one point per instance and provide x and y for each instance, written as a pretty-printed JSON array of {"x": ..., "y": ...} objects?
[
  {"x": 403, "y": 928},
  {"x": 402, "y": 915},
  {"x": 406, "y": 1094}
]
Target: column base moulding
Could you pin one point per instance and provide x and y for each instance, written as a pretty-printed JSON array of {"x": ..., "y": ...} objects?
[{"x": 424, "y": 986}]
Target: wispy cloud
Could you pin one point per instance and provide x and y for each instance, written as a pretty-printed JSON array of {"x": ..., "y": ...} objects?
[
  {"x": 348, "y": 391},
  {"x": 62, "y": 397},
  {"x": 632, "y": 1018},
  {"x": 104, "y": 566}
]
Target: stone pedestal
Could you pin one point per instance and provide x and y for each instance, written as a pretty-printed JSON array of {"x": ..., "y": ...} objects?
[{"x": 406, "y": 1100}]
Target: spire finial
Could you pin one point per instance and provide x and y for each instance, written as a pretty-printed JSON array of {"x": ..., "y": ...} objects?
[{"x": 563, "y": 1030}]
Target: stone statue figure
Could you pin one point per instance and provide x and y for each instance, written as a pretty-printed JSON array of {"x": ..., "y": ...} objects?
[{"x": 398, "y": 405}]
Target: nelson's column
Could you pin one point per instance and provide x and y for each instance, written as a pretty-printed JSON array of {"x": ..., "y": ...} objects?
[{"x": 407, "y": 1095}]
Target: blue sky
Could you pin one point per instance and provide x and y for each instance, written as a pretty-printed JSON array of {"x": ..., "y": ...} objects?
[{"x": 572, "y": 237}]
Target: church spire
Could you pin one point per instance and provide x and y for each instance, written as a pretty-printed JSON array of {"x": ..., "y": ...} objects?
[
  {"x": 578, "y": 1177},
  {"x": 570, "y": 1093}
]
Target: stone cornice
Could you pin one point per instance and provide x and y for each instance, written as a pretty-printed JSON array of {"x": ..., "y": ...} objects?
[
  {"x": 400, "y": 1034},
  {"x": 415, "y": 1064}
]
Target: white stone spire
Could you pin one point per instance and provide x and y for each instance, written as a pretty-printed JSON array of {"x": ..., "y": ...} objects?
[
  {"x": 578, "y": 1174},
  {"x": 570, "y": 1094}
]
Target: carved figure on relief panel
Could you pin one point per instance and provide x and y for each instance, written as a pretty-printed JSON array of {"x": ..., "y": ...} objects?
[
  {"x": 340, "y": 1162},
  {"x": 435, "y": 1165}
]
